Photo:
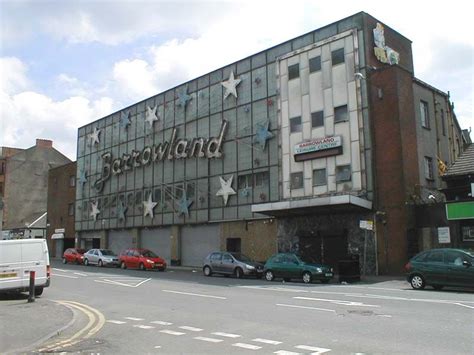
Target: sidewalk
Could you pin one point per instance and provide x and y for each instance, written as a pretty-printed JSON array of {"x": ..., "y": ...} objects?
[{"x": 24, "y": 325}]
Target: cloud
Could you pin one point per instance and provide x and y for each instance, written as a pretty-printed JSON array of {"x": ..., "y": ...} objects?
[
  {"x": 13, "y": 75},
  {"x": 135, "y": 79}
]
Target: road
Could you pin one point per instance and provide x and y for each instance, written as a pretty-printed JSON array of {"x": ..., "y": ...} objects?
[{"x": 184, "y": 312}]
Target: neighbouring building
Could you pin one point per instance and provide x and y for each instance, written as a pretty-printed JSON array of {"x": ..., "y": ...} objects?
[
  {"x": 322, "y": 145},
  {"x": 25, "y": 189},
  {"x": 61, "y": 208}
]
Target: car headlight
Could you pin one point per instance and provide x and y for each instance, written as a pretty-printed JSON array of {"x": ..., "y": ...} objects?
[
  {"x": 249, "y": 267},
  {"x": 319, "y": 270},
  {"x": 150, "y": 261}
]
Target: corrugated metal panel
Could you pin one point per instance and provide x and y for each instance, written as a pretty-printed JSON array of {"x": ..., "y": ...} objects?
[
  {"x": 120, "y": 240},
  {"x": 158, "y": 241},
  {"x": 198, "y": 242}
]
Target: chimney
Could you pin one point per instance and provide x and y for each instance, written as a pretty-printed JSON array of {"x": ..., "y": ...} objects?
[{"x": 44, "y": 143}]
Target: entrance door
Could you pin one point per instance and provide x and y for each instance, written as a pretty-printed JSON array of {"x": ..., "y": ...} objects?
[{"x": 325, "y": 249}]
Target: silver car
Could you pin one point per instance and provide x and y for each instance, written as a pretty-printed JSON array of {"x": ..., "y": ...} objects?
[
  {"x": 101, "y": 257},
  {"x": 226, "y": 263}
]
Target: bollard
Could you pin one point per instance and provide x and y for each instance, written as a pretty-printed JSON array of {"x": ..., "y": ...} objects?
[{"x": 31, "y": 296}]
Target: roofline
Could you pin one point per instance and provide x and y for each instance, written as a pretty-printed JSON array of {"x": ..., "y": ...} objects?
[{"x": 428, "y": 86}]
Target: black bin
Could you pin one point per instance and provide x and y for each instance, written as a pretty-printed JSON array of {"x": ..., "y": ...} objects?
[{"x": 349, "y": 270}]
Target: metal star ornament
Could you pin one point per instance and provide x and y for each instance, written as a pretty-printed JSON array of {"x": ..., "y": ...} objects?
[
  {"x": 226, "y": 189},
  {"x": 94, "y": 136},
  {"x": 121, "y": 210},
  {"x": 148, "y": 207},
  {"x": 125, "y": 119},
  {"x": 151, "y": 116},
  {"x": 183, "y": 98},
  {"x": 263, "y": 134},
  {"x": 231, "y": 85},
  {"x": 82, "y": 177},
  {"x": 183, "y": 206},
  {"x": 95, "y": 210}
]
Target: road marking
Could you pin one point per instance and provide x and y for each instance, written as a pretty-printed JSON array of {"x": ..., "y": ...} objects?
[
  {"x": 464, "y": 305},
  {"x": 133, "y": 318},
  {"x": 113, "y": 282},
  {"x": 340, "y": 302},
  {"x": 171, "y": 332},
  {"x": 304, "y": 307},
  {"x": 63, "y": 270},
  {"x": 80, "y": 274},
  {"x": 284, "y": 352},
  {"x": 195, "y": 294},
  {"x": 267, "y": 341},
  {"x": 141, "y": 326},
  {"x": 69, "y": 277},
  {"x": 116, "y": 321},
  {"x": 313, "y": 348},
  {"x": 227, "y": 335},
  {"x": 211, "y": 340},
  {"x": 192, "y": 329},
  {"x": 247, "y": 346},
  {"x": 161, "y": 322},
  {"x": 158, "y": 347},
  {"x": 267, "y": 288},
  {"x": 384, "y": 315}
]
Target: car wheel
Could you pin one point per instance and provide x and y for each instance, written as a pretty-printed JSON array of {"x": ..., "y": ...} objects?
[
  {"x": 438, "y": 287},
  {"x": 141, "y": 266},
  {"x": 38, "y": 291},
  {"x": 64, "y": 261},
  {"x": 417, "y": 282},
  {"x": 207, "y": 271},
  {"x": 122, "y": 265},
  {"x": 101, "y": 263},
  {"x": 238, "y": 273},
  {"x": 307, "y": 277},
  {"x": 86, "y": 262},
  {"x": 269, "y": 276}
]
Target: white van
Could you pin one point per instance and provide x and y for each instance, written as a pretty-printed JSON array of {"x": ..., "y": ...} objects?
[{"x": 20, "y": 256}]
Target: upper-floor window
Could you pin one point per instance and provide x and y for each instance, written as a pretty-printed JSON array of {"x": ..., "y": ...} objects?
[
  {"x": 337, "y": 56},
  {"x": 425, "y": 118},
  {"x": 343, "y": 173},
  {"x": 244, "y": 181},
  {"x": 1, "y": 188},
  {"x": 317, "y": 119},
  {"x": 319, "y": 177},
  {"x": 428, "y": 162},
  {"x": 2, "y": 168},
  {"x": 72, "y": 180},
  {"x": 443, "y": 123},
  {"x": 314, "y": 64},
  {"x": 293, "y": 71},
  {"x": 340, "y": 114},
  {"x": 296, "y": 180},
  {"x": 295, "y": 124},
  {"x": 261, "y": 178},
  {"x": 70, "y": 209}
]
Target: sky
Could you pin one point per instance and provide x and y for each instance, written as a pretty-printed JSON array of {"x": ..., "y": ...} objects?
[{"x": 64, "y": 64}]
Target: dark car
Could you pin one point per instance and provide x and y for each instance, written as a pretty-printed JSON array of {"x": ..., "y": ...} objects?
[
  {"x": 291, "y": 266},
  {"x": 73, "y": 255},
  {"x": 227, "y": 263},
  {"x": 441, "y": 267}
]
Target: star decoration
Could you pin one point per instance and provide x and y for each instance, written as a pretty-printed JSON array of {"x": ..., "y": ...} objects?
[
  {"x": 148, "y": 207},
  {"x": 183, "y": 206},
  {"x": 151, "y": 115},
  {"x": 95, "y": 210},
  {"x": 125, "y": 119},
  {"x": 231, "y": 85},
  {"x": 121, "y": 210},
  {"x": 83, "y": 177},
  {"x": 245, "y": 192},
  {"x": 94, "y": 136},
  {"x": 226, "y": 189},
  {"x": 263, "y": 134},
  {"x": 183, "y": 98}
]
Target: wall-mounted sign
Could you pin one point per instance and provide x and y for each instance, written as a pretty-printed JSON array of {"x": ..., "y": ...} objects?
[
  {"x": 443, "y": 235},
  {"x": 317, "y": 148}
]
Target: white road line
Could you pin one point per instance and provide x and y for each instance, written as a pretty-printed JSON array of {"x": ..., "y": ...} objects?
[
  {"x": 340, "y": 302},
  {"x": 116, "y": 321},
  {"x": 303, "y": 307},
  {"x": 313, "y": 348},
  {"x": 384, "y": 315},
  {"x": 195, "y": 294},
  {"x": 158, "y": 347},
  {"x": 284, "y": 352},
  {"x": 133, "y": 318},
  {"x": 211, "y": 340},
  {"x": 171, "y": 332},
  {"x": 192, "y": 329},
  {"x": 141, "y": 326},
  {"x": 247, "y": 346},
  {"x": 227, "y": 335},
  {"x": 464, "y": 305},
  {"x": 265, "y": 288},
  {"x": 80, "y": 274},
  {"x": 63, "y": 270},
  {"x": 267, "y": 341},
  {"x": 161, "y": 322},
  {"x": 113, "y": 282},
  {"x": 69, "y": 277}
]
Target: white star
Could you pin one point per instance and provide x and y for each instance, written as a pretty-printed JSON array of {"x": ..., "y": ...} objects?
[
  {"x": 226, "y": 189},
  {"x": 231, "y": 85},
  {"x": 148, "y": 207},
  {"x": 94, "y": 136},
  {"x": 151, "y": 115},
  {"x": 95, "y": 210}
]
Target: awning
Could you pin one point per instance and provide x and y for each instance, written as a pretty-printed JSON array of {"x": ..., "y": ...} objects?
[{"x": 57, "y": 236}]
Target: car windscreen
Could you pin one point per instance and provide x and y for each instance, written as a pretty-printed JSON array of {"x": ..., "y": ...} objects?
[
  {"x": 149, "y": 254},
  {"x": 241, "y": 257},
  {"x": 308, "y": 259},
  {"x": 107, "y": 252}
]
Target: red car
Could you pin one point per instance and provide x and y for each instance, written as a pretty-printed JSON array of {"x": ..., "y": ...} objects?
[
  {"x": 142, "y": 259},
  {"x": 73, "y": 255}
]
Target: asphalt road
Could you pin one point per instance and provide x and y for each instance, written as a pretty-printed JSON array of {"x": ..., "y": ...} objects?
[{"x": 184, "y": 312}]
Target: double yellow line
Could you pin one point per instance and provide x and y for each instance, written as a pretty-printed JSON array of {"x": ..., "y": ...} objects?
[{"x": 95, "y": 323}]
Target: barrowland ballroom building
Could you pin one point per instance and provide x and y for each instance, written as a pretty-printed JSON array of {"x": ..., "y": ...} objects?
[{"x": 311, "y": 146}]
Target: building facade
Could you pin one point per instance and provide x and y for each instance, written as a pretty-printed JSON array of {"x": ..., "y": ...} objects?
[{"x": 308, "y": 146}]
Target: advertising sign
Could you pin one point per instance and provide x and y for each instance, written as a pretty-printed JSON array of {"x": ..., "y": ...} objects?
[
  {"x": 315, "y": 145},
  {"x": 443, "y": 235}
]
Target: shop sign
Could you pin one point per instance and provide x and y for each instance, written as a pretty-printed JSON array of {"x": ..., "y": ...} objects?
[
  {"x": 443, "y": 235},
  {"x": 316, "y": 145}
]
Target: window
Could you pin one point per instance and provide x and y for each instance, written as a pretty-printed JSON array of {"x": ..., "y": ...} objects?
[
  {"x": 70, "y": 209},
  {"x": 261, "y": 179},
  {"x": 317, "y": 119},
  {"x": 245, "y": 181},
  {"x": 467, "y": 233},
  {"x": 443, "y": 124},
  {"x": 296, "y": 180},
  {"x": 190, "y": 189},
  {"x": 428, "y": 168},
  {"x": 157, "y": 195},
  {"x": 72, "y": 180},
  {"x": 216, "y": 256},
  {"x": 2, "y": 168},
  {"x": 343, "y": 173},
  {"x": 227, "y": 258},
  {"x": 319, "y": 177},
  {"x": 455, "y": 258},
  {"x": 314, "y": 64},
  {"x": 340, "y": 114},
  {"x": 295, "y": 124},
  {"x": 434, "y": 256},
  {"x": 293, "y": 71},
  {"x": 425, "y": 118},
  {"x": 337, "y": 56},
  {"x": 1, "y": 188}
]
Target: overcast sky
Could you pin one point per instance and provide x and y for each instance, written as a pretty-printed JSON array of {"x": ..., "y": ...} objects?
[{"x": 64, "y": 64}]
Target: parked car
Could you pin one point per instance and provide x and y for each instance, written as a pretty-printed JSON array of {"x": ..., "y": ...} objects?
[
  {"x": 291, "y": 266},
  {"x": 73, "y": 255},
  {"x": 441, "y": 267},
  {"x": 227, "y": 263},
  {"x": 142, "y": 259},
  {"x": 101, "y": 257}
]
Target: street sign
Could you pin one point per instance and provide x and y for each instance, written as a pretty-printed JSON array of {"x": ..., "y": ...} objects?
[
  {"x": 368, "y": 225},
  {"x": 443, "y": 235}
]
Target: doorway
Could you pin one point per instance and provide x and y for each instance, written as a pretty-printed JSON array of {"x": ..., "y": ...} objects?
[{"x": 234, "y": 245}]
